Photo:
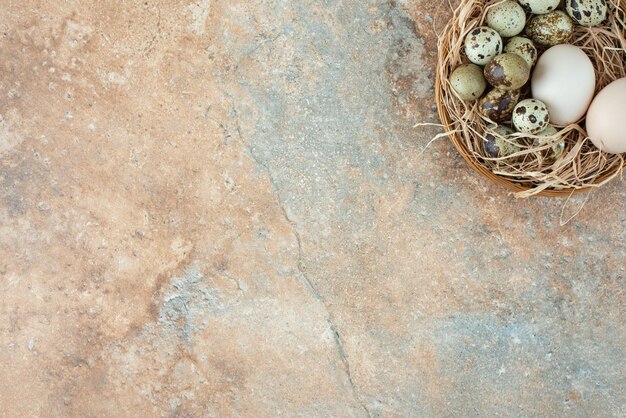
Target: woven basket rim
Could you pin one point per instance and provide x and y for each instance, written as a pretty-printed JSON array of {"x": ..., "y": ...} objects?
[{"x": 458, "y": 143}]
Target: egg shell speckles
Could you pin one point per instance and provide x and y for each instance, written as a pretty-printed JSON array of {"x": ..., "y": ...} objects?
[
  {"x": 498, "y": 105},
  {"x": 530, "y": 116},
  {"x": 523, "y": 47},
  {"x": 539, "y": 7},
  {"x": 550, "y": 135},
  {"x": 497, "y": 142},
  {"x": 550, "y": 29},
  {"x": 507, "y": 18},
  {"x": 468, "y": 81},
  {"x": 586, "y": 12},
  {"x": 482, "y": 44},
  {"x": 507, "y": 72}
]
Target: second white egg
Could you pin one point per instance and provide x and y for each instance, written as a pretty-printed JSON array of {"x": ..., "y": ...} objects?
[{"x": 565, "y": 80}]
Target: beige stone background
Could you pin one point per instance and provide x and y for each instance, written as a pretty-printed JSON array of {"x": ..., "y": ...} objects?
[{"x": 221, "y": 208}]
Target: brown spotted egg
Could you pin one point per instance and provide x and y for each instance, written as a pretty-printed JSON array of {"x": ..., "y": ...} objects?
[
  {"x": 507, "y": 18},
  {"x": 523, "y": 47},
  {"x": 539, "y": 7},
  {"x": 550, "y": 135},
  {"x": 482, "y": 44},
  {"x": 586, "y": 12},
  {"x": 507, "y": 72},
  {"x": 550, "y": 29},
  {"x": 530, "y": 116},
  {"x": 498, "y": 142},
  {"x": 498, "y": 105}
]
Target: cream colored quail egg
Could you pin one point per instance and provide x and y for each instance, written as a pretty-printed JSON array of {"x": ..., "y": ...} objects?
[
  {"x": 468, "y": 81},
  {"x": 586, "y": 12},
  {"x": 551, "y": 135},
  {"x": 498, "y": 143},
  {"x": 530, "y": 116},
  {"x": 523, "y": 47},
  {"x": 550, "y": 29},
  {"x": 482, "y": 44},
  {"x": 507, "y": 72},
  {"x": 507, "y": 18},
  {"x": 539, "y": 7},
  {"x": 497, "y": 105}
]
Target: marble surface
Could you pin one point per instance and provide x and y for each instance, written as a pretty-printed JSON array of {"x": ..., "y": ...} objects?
[{"x": 223, "y": 208}]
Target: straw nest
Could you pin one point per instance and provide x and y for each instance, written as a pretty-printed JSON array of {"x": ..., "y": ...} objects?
[{"x": 533, "y": 170}]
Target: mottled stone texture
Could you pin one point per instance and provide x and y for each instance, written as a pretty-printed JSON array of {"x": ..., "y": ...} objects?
[{"x": 222, "y": 208}]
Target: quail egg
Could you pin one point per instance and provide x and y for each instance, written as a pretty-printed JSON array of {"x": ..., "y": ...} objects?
[
  {"x": 550, "y": 135},
  {"x": 539, "y": 7},
  {"x": 523, "y": 47},
  {"x": 482, "y": 44},
  {"x": 550, "y": 29},
  {"x": 507, "y": 72},
  {"x": 497, "y": 142},
  {"x": 468, "y": 81},
  {"x": 497, "y": 105},
  {"x": 530, "y": 116},
  {"x": 586, "y": 12},
  {"x": 507, "y": 18}
]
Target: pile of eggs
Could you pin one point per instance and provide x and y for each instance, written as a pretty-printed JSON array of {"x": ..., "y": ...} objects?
[{"x": 562, "y": 79}]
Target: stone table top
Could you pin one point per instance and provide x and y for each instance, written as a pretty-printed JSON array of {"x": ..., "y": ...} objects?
[{"x": 222, "y": 208}]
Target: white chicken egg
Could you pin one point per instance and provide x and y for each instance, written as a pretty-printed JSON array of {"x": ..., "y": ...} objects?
[
  {"x": 565, "y": 80},
  {"x": 606, "y": 118}
]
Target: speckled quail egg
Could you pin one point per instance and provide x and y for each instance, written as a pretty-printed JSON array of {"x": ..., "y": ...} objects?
[
  {"x": 550, "y": 135},
  {"x": 482, "y": 44},
  {"x": 530, "y": 116},
  {"x": 523, "y": 47},
  {"x": 468, "y": 81},
  {"x": 498, "y": 105},
  {"x": 498, "y": 143},
  {"x": 586, "y": 12},
  {"x": 507, "y": 18},
  {"x": 550, "y": 29},
  {"x": 507, "y": 72},
  {"x": 539, "y": 7}
]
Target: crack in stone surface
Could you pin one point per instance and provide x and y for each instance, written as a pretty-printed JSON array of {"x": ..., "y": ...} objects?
[
  {"x": 300, "y": 264},
  {"x": 302, "y": 270},
  {"x": 262, "y": 43},
  {"x": 148, "y": 49}
]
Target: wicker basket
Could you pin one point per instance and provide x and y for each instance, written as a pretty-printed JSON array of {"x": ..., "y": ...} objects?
[{"x": 451, "y": 34}]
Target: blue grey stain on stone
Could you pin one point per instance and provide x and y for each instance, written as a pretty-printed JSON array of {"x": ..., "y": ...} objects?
[
  {"x": 309, "y": 139},
  {"x": 492, "y": 364},
  {"x": 188, "y": 299}
]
